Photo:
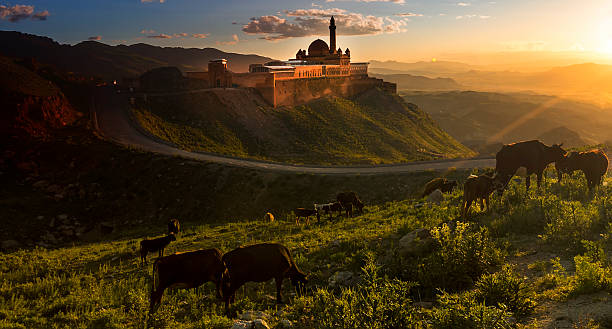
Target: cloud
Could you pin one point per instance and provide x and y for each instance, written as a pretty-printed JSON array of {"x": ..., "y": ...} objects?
[
  {"x": 159, "y": 36},
  {"x": 17, "y": 13},
  {"x": 200, "y": 35},
  {"x": 147, "y": 31},
  {"x": 463, "y": 4},
  {"x": 409, "y": 15},
  {"x": 234, "y": 41},
  {"x": 95, "y": 38},
  {"x": 524, "y": 45},
  {"x": 315, "y": 21},
  {"x": 150, "y": 1},
  {"x": 473, "y": 16},
  {"x": 180, "y": 35}
]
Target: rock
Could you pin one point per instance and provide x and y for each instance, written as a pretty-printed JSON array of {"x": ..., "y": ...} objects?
[
  {"x": 343, "y": 278},
  {"x": 10, "y": 244},
  {"x": 416, "y": 243},
  {"x": 286, "y": 323},
  {"x": 419, "y": 205},
  {"x": 52, "y": 222},
  {"x": 40, "y": 184},
  {"x": 260, "y": 324},
  {"x": 241, "y": 324},
  {"x": 252, "y": 315},
  {"x": 435, "y": 197},
  {"x": 41, "y": 217}
]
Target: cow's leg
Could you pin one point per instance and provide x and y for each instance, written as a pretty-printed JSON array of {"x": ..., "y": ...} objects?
[
  {"x": 279, "y": 286},
  {"x": 559, "y": 175},
  {"x": 539, "y": 179},
  {"x": 527, "y": 182},
  {"x": 486, "y": 202},
  {"x": 467, "y": 208},
  {"x": 481, "y": 201},
  {"x": 156, "y": 296}
]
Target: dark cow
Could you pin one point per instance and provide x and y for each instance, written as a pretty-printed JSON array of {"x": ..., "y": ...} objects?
[
  {"x": 187, "y": 270},
  {"x": 443, "y": 184},
  {"x": 158, "y": 244},
  {"x": 346, "y": 198},
  {"x": 594, "y": 165},
  {"x": 533, "y": 155},
  {"x": 174, "y": 226},
  {"x": 306, "y": 213},
  {"x": 477, "y": 188},
  {"x": 260, "y": 263},
  {"x": 336, "y": 206}
]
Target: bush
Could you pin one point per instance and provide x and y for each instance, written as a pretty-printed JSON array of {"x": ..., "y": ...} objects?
[
  {"x": 463, "y": 311},
  {"x": 506, "y": 288},
  {"x": 461, "y": 258},
  {"x": 569, "y": 222},
  {"x": 377, "y": 303}
]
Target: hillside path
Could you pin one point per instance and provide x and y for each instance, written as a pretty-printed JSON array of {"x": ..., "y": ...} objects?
[{"x": 112, "y": 121}]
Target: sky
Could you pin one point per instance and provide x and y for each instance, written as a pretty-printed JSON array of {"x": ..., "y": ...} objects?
[{"x": 402, "y": 30}]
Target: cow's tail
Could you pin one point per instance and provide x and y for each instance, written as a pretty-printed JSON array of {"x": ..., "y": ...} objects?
[{"x": 153, "y": 275}]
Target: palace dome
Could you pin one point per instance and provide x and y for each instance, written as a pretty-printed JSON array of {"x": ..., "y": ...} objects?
[{"x": 318, "y": 48}]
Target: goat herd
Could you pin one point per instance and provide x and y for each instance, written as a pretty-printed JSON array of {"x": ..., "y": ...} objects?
[{"x": 267, "y": 261}]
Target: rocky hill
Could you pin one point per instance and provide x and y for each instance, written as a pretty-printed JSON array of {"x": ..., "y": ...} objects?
[
  {"x": 115, "y": 62},
  {"x": 373, "y": 127}
]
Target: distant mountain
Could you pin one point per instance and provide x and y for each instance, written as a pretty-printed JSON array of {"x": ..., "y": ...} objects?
[
  {"x": 114, "y": 62},
  {"x": 478, "y": 119},
  {"x": 416, "y": 82},
  {"x": 428, "y": 69}
]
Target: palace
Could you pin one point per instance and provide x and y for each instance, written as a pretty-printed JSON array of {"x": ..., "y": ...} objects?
[{"x": 322, "y": 71}]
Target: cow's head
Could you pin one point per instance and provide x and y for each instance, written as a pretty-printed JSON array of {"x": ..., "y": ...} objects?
[
  {"x": 499, "y": 183},
  {"x": 557, "y": 152}
]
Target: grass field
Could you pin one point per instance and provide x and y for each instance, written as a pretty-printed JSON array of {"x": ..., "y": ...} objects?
[
  {"x": 536, "y": 260},
  {"x": 371, "y": 128}
]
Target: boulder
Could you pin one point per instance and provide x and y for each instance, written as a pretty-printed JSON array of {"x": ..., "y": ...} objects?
[
  {"x": 241, "y": 324},
  {"x": 417, "y": 243},
  {"x": 286, "y": 323},
  {"x": 260, "y": 324},
  {"x": 435, "y": 197},
  {"x": 343, "y": 278}
]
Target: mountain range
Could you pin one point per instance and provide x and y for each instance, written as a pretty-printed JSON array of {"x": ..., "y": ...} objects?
[{"x": 92, "y": 58}]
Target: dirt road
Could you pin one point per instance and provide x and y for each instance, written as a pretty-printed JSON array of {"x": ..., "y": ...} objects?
[{"x": 112, "y": 121}]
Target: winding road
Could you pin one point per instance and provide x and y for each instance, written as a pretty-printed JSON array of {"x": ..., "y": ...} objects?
[{"x": 112, "y": 121}]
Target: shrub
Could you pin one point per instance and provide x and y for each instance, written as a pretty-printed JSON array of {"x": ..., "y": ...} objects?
[
  {"x": 377, "y": 303},
  {"x": 463, "y": 311},
  {"x": 569, "y": 222},
  {"x": 507, "y": 288},
  {"x": 461, "y": 258}
]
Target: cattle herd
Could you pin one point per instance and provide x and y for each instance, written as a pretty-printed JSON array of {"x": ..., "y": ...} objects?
[
  {"x": 191, "y": 269},
  {"x": 267, "y": 261},
  {"x": 532, "y": 155}
]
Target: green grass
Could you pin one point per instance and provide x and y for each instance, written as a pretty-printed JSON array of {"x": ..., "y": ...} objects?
[
  {"x": 102, "y": 285},
  {"x": 371, "y": 128}
]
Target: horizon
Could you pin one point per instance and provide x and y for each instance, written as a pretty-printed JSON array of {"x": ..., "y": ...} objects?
[{"x": 405, "y": 31}]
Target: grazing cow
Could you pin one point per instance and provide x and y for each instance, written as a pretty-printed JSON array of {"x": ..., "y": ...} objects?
[
  {"x": 158, "y": 244},
  {"x": 306, "y": 213},
  {"x": 260, "y": 263},
  {"x": 269, "y": 217},
  {"x": 477, "y": 188},
  {"x": 533, "y": 155},
  {"x": 442, "y": 184},
  {"x": 594, "y": 165},
  {"x": 187, "y": 270},
  {"x": 346, "y": 198},
  {"x": 174, "y": 226},
  {"x": 336, "y": 206}
]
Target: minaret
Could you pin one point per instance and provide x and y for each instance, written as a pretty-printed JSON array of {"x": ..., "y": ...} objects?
[{"x": 332, "y": 35}]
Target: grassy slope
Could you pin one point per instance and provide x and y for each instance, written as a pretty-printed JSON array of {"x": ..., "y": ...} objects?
[
  {"x": 102, "y": 285},
  {"x": 369, "y": 129}
]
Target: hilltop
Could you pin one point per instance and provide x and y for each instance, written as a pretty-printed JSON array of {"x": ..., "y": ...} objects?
[
  {"x": 373, "y": 127},
  {"x": 417, "y": 82},
  {"x": 97, "y": 59}
]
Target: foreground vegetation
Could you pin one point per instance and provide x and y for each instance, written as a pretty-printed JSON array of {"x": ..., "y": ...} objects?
[{"x": 516, "y": 266}]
